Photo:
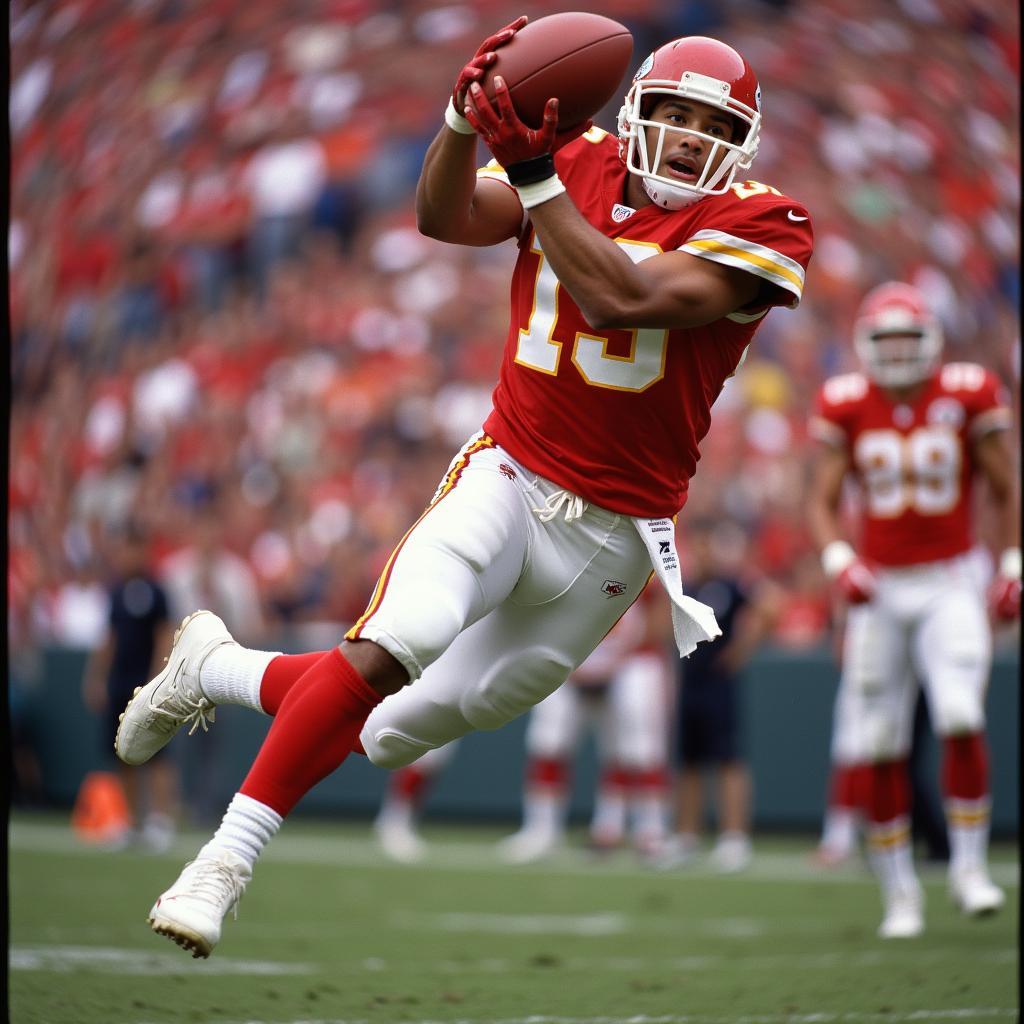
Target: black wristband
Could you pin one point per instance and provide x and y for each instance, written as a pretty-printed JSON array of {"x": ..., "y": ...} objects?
[{"x": 529, "y": 172}]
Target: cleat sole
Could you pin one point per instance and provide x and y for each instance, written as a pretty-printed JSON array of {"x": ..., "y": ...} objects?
[{"x": 187, "y": 939}]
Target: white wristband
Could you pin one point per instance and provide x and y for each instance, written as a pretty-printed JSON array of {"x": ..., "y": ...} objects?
[
  {"x": 837, "y": 556},
  {"x": 455, "y": 120},
  {"x": 1009, "y": 564},
  {"x": 540, "y": 191}
]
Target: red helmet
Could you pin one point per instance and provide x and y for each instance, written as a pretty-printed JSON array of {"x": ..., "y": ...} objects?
[
  {"x": 705, "y": 71},
  {"x": 896, "y": 335}
]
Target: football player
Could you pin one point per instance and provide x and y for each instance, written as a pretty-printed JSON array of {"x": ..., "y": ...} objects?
[
  {"x": 646, "y": 263},
  {"x": 915, "y": 435}
]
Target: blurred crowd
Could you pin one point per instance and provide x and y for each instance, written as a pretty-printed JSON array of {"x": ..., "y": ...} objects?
[{"x": 227, "y": 331}]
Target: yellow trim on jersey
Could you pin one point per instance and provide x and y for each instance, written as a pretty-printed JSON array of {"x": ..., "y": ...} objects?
[{"x": 757, "y": 259}]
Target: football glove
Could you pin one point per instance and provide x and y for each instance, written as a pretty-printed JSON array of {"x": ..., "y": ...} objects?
[
  {"x": 1004, "y": 599},
  {"x": 511, "y": 141},
  {"x": 853, "y": 577},
  {"x": 482, "y": 60}
]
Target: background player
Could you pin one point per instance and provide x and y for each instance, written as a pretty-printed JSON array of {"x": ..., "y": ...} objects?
[
  {"x": 915, "y": 435},
  {"x": 708, "y": 737},
  {"x": 623, "y": 691},
  {"x": 640, "y": 281}
]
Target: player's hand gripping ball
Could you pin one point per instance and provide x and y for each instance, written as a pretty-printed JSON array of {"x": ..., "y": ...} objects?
[
  {"x": 577, "y": 58},
  {"x": 482, "y": 59}
]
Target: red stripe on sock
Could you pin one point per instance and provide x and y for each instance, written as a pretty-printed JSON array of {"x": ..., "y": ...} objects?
[
  {"x": 965, "y": 767},
  {"x": 650, "y": 780},
  {"x": 547, "y": 771},
  {"x": 890, "y": 791},
  {"x": 409, "y": 784},
  {"x": 314, "y": 731},
  {"x": 281, "y": 675}
]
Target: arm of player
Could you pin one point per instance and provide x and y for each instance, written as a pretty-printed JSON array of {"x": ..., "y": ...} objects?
[
  {"x": 853, "y": 578},
  {"x": 453, "y": 205},
  {"x": 992, "y": 454},
  {"x": 670, "y": 290}
]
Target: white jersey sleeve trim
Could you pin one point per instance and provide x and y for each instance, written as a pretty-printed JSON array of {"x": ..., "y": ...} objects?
[
  {"x": 756, "y": 259},
  {"x": 989, "y": 421}
]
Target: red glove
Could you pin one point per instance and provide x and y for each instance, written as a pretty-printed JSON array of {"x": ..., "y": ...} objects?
[
  {"x": 1004, "y": 598},
  {"x": 857, "y": 583},
  {"x": 506, "y": 136},
  {"x": 482, "y": 60}
]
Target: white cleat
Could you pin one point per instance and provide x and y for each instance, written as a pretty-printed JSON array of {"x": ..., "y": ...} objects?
[
  {"x": 191, "y": 911},
  {"x": 975, "y": 893},
  {"x": 528, "y": 845},
  {"x": 679, "y": 850},
  {"x": 904, "y": 915},
  {"x": 399, "y": 841},
  {"x": 731, "y": 854},
  {"x": 173, "y": 698}
]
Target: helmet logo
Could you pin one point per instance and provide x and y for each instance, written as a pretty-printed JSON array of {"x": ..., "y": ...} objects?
[
  {"x": 757, "y": 100},
  {"x": 645, "y": 68}
]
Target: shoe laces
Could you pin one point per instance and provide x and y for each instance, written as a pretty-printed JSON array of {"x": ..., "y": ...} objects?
[
  {"x": 214, "y": 880},
  {"x": 183, "y": 707},
  {"x": 576, "y": 506}
]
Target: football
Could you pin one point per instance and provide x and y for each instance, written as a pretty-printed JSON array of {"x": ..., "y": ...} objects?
[{"x": 578, "y": 57}]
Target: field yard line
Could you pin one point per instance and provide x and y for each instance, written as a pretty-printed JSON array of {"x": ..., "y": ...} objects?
[
  {"x": 344, "y": 851},
  {"x": 967, "y": 1013},
  {"x": 108, "y": 960},
  {"x": 111, "y": 960}
]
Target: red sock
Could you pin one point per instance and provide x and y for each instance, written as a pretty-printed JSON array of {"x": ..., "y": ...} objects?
[
  {"x": 409, "y": 783},
  {"x": 850, "y": 786},
  {"x": 890, "y": 791},
  {"x": 281, "y": 675},
  {"x": 615, "y": 778},
  {"x": 965, "y": 767},
  {"x": 649, "y": 781},
  {"x": 547, "y": 772},
  {"x": 314, "y": 731}
]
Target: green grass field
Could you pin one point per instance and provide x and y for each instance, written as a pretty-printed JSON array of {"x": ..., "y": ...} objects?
[{"x": 332, "y": 934}]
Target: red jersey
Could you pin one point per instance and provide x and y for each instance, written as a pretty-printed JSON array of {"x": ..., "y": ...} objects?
[
  {"x": 616, "y": 415},
  {"x": 913, "y": 460}
]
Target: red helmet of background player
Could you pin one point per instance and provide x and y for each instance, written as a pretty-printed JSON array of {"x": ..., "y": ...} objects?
[
  {"x": 896, "y": 335},
  {"x": 706, "y": 71}
]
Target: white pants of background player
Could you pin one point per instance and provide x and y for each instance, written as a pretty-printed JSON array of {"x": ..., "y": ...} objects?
[
  {"x": 630, "y": 718},
  {"x": 926, "y": 622},
  {"x": 492, "y": 606}
]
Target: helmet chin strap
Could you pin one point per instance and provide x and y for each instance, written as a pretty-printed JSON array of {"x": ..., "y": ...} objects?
[{"x": 669, "y": 197}]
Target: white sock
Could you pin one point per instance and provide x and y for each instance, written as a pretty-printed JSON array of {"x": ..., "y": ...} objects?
[
  {"x": 544, "y": 810},
  {"x": 840, "y": 830},
  {"x": 968, "y": 824},
  {"x": 609, "y": 818},
  {"x": 247, "y": 826},
  {"x": 232, "y": 675},
  {"x": 891, "y": 855}
]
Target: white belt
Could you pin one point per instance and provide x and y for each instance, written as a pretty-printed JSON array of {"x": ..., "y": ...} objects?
[{"x": 692, "y": 621}]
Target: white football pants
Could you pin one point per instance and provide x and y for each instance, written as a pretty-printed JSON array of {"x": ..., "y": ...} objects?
[
  {"x": 925, "y": 622},
  {"x": 489, "y": 608}
]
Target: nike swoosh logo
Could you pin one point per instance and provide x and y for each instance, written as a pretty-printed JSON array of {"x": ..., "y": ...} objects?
[{"x": 792, "y": 216}]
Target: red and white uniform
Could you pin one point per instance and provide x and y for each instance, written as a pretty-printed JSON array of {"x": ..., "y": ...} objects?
[
  {"x": 914, "y": 463},
  {"x": 546, "y": 527},
  {"x": 913, "y": 460},
  {"x": 616, "y": 416}
]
